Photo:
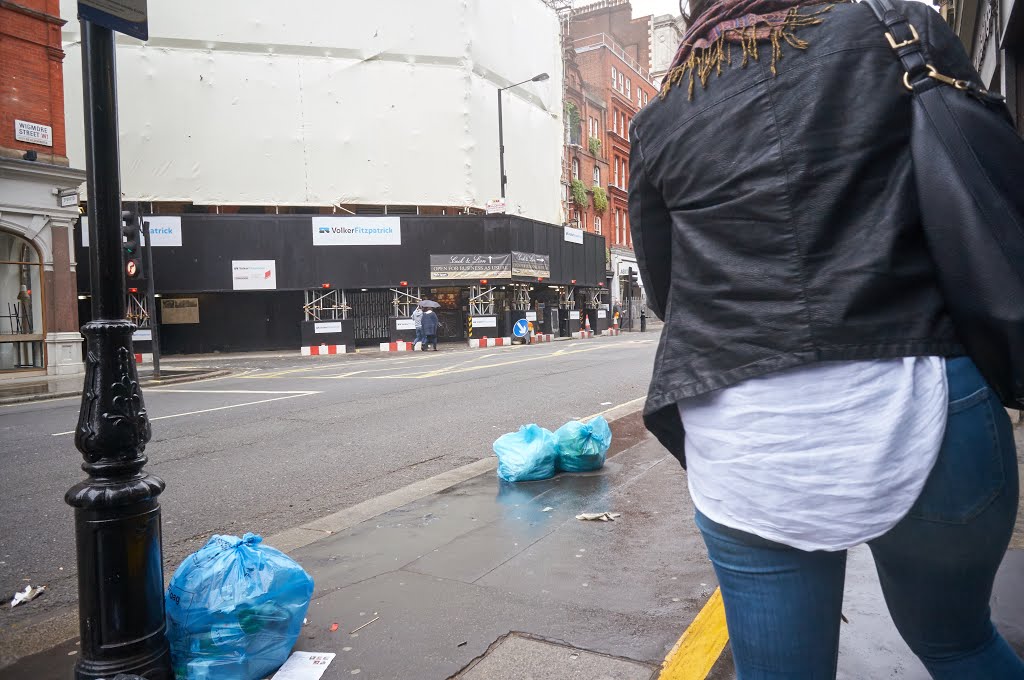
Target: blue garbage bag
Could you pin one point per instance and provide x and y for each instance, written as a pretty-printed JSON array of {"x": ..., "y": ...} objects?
[
  {"x": 582, "y": 446},
  {"x": 526, "y": 455},
  {"x": 234, "y": 610}
]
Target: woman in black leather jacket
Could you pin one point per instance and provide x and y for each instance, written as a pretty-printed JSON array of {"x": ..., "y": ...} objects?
[{"x": 808, "y": 374}]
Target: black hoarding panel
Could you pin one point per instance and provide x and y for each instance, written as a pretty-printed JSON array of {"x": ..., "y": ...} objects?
[
  {"x": 210, "y": 244},
  {"x": 238, "y": 322}
]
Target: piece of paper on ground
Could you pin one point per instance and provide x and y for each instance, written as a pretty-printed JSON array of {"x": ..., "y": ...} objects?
[{"x": 304, "y": 666}]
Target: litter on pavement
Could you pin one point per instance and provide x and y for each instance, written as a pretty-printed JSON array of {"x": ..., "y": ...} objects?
[
  {"x": 599, "y": 516},
  {"x": 234, "y": 609},
  {"x": 377, "y": 618},
  {"x": 535, "y": 453},
  {"x": 547, "y": 509},
  {"x": 30, "y": 593},
  {"x": 304, "y": 666}
]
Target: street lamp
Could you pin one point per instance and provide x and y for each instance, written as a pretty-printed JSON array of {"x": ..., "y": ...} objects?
[
  {"x": 117, "y": 515},
  {"x": 540, "y": 77}
]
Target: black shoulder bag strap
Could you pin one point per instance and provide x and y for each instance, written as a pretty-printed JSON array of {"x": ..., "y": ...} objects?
[
  {"x": 905, "y": 41},
  {"x": 968, "y": 161}
]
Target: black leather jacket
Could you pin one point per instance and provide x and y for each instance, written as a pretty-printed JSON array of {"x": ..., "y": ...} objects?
[{"x": 775, "y": 219}]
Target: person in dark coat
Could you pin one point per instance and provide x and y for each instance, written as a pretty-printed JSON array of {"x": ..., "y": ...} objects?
[
  {"x": 429, "y": 322},
  {"x": 808, "y": 375}
]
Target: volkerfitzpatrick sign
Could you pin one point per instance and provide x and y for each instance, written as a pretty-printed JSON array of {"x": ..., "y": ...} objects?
[
  {"x": 357, "y": 231},
  {"x": 165, "y": 231}
]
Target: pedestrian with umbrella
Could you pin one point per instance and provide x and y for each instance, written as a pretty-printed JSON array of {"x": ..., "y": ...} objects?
[{"x": 429, "y": 323}]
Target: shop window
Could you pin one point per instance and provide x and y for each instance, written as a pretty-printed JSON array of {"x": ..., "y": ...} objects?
[{"x": 21, "y": 305}]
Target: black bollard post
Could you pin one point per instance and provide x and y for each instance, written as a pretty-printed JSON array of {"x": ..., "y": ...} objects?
[{"x": 117, "y": 516}]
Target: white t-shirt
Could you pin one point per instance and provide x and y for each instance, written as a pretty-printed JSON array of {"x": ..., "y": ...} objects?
[{"x": 819, "y": 457}]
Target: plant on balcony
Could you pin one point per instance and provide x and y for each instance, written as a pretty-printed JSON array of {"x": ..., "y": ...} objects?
[
  {"x": 594, "y": 144},
  {"x": 600, "y": 199},
  {"x": 572, "y": 120},
  {"x": 579, "y": 193}
]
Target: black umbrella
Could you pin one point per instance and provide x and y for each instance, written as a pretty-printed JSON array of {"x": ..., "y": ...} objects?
[{"x": 429, "y": 303}]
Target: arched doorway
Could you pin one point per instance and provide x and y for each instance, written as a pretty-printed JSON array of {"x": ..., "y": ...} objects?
[{"x": 21, "y": 305}]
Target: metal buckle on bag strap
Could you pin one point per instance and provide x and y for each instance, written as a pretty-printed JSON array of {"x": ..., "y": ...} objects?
[
  {"x": 906, "y": 43},
  {"x": 933, "y": 73}
]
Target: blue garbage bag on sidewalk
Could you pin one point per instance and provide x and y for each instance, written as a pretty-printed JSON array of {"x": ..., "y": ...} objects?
[
  {"x": 526, "y": 455},
  {"x": 582, "y": 446},
  {"x": 235, "y": 609}
]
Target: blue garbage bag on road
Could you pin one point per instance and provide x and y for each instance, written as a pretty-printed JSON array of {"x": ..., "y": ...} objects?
[
  {"x": 527, "y": 455},
  {"x": 235, "y": 609},
  {"x": 582, "y": 446}
]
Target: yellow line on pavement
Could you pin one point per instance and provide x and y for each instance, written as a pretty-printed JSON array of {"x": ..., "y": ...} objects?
[{"x": 698, "y": 649}]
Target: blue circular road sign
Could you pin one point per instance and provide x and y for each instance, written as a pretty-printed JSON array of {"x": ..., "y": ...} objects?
[{"x": 521, "y": 328}]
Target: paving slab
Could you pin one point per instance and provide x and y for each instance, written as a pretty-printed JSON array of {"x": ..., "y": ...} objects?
[{"x": 523, "y": 658}]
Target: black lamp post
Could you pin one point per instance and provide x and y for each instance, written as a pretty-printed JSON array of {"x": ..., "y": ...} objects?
[
  {"x": 117, "y": 516},
  {"x": 501, "y": 131}
]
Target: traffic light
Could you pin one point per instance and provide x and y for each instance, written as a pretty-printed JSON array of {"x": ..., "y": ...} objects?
[{"x": 131, "y": 246}]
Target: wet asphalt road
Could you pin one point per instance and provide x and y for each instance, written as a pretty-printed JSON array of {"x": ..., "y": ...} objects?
[{"x": 286, "y": 440}]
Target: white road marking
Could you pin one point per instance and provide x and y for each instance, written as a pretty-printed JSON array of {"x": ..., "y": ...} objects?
[
  {"x": 210, "y": 410},
  {"x": 160, "y": 389}
]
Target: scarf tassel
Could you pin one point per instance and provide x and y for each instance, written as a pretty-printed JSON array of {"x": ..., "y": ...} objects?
[{"x": 704, "y": 61}]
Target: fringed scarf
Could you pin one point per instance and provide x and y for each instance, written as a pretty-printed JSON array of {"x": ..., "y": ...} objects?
[{"x": 708, "y": 44}]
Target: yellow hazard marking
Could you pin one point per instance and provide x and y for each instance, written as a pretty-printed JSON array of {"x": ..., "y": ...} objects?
[{"x": 700, "y": 646}]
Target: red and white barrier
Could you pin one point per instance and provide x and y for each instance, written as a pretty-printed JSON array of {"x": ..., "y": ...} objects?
[
  {"x": 583, "y": 334},
  {"x": 543, "y": 337},
  {"x": 398, "y": 346},
  {"x": 143, "y": 357},
  {"x": 323, "y": 350},
  {"x": 477, "y": 343},
  {"x": 613, "y": 331}
]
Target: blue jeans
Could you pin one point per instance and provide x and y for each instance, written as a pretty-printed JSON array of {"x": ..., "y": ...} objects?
[
  {"x": 419, "y": 335},
  {"x": 936, "y": 566}
]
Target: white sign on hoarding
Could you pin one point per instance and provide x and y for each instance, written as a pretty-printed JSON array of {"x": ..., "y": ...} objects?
[
  {"x": 164, "y": 231},
  {"x": 531, "y": 316},
  {"x": 574, "y": 235},
  {"x": 33, "y": 133},
  {"x": 254, "y": 274},
  {"x": 405, "y": 325},
  {"x": 357, "y": 231},
  {"x": 144, "y": 334},
  {"x": 495, "y": 206},
  {"x": 485, "y": 322},
  {"x": 601, "y": 314},
  {"x": 327, "y": 327},
  {"x": 574, "y": 314}
]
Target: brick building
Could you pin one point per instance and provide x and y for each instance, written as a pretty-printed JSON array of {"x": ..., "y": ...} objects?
[
  {"x": 38, "y": 197},
  {"x": 608, "y": 80}
]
